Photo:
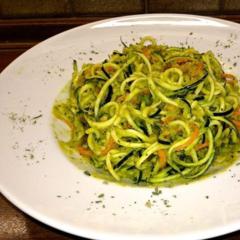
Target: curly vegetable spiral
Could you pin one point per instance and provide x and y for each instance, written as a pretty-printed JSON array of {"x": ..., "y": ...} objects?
[{"x": 152, "y": 113}]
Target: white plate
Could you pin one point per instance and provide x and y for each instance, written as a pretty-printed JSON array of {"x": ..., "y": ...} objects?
[{"x": 38, "y": 178}]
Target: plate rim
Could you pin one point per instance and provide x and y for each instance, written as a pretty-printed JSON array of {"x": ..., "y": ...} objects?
[{"x": 119, "y": 18}]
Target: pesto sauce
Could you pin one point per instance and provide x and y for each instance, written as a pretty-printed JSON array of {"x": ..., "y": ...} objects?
[
  {"x": 223, "y": 161},
  {"x": 226, "y": 159}
]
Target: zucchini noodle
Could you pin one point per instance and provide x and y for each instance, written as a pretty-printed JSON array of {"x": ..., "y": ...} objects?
[{"x": 152, "y": 114}]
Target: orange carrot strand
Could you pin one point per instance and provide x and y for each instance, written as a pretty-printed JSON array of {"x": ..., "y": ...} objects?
[
  {"x": 201, "y": 146},
  {"x": 162, "y": 158},
  {"x": 85, "y": 152},
  {"x": 191, "y": 139},
  {"x": 236, "y": 123},
  {"x": 236, "y": 112},
  {"x": 109, "y": 146}
]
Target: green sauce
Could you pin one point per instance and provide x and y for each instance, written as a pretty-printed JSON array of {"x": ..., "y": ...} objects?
[
  {"x": 151, "y": 115},
  {"x": 222, "y": 163}
]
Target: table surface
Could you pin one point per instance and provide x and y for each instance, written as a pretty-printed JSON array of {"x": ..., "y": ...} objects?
[{"x": 14, "y": 224}]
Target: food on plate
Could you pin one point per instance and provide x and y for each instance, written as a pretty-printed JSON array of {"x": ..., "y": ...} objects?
[{"x": 151, "y": 114}]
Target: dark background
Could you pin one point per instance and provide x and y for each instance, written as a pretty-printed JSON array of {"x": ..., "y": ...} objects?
[{"x": 24, "y": 23}]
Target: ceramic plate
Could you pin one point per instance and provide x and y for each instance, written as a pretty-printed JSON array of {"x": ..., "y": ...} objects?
[{"x": 37, "y": 177}]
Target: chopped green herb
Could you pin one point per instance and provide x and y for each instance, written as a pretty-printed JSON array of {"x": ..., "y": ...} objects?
[
  {"x": 40, "y": 115},
  {"x": 87, "y": 173},
  {"x": 101, "y": 195},
  {"x": 148, "y": 204},
  {"x": 156, "y": 191}
]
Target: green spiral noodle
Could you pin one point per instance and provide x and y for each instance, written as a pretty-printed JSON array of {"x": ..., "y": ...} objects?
[{"x": 152, "y": 114}]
